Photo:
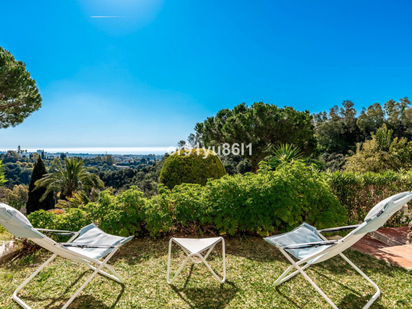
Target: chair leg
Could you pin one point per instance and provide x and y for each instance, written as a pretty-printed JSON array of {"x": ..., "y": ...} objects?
[
  {"x": 223, "y": 260},
  {"x": 102, "y": 265},
  {"x": 178, "y": 271},
  {"x": 67, "y": 304},
  {"x": 282, "y": 278},
  {"x": 211, "y": 270},
  {"x": 279, "y": 279},
  {"x": 169, "y": 258},
  {"x": 15, "y": 297},
  {"x": 115, "y": 276},
  {"x": 202, "y": 259},
  {"x": 301, "y": 270},
  {"x": 308, "y": 279},
  {"x": 378, "y": 292},
  {"x": 96, "y": 271}
]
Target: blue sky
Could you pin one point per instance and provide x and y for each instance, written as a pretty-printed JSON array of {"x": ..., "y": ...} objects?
[{"x": 145, "y": 76}]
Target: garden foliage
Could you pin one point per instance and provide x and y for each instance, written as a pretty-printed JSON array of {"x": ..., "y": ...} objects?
[
  {"x": 19, "y": 95},
  {"x": 16, "y": 197},
  {"x": 381, "y": 153},
  {"x": 359, "y": 192},
  {"x": 2, "y": 177},
  {"x": 340, "y": 129},
  {"x": 122, "y": 214},
  {"x": 34, "y": 201},
  {"x": 260, "y": 125},
  {"x": 254, "y": 203}
]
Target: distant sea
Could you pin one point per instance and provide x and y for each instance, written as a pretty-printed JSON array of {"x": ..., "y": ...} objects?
[{"x": 102, "y": 150}]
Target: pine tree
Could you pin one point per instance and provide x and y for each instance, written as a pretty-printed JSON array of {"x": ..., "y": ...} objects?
[
  {"x": 2, "y": 177},
  {"x": 34, "y": 203}
]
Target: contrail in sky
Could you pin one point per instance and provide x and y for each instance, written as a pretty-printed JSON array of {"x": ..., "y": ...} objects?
[{"x": 106, "y": 16}]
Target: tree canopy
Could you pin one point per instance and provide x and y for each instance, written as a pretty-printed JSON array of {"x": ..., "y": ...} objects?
[
  {"x": 261, "y": 125},
  {"x": 35, "y": 201},
  {"x": 19, "y": 95},
  {"x": 340, "y": 129},
  {"x": 381, "y": 153},
  {"x": 337, "y": 131},
  {"x": 16, "y": 197},
  {"x": 67, "y": 180},
  {"x": 2, "y": 177}
]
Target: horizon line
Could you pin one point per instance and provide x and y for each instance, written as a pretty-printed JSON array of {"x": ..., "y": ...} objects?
[{"x": 99, "y": 150}]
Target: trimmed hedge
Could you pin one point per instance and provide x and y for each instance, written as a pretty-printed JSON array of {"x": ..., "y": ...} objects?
[
  {"x": 358, "y": 193},
  {"x": 254, "y": 203},
  {"x": 191, "y": 166}
]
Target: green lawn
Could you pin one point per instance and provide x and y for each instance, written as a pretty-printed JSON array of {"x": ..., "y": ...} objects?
[{"x": 252, "y": 267}]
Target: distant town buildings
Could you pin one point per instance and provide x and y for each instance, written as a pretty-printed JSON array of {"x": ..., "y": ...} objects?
[{"x": 120, "y": 160}]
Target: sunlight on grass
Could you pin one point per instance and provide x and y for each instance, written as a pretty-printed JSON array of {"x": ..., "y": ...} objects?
[
  {"x": 252, "y": 267},
  {"x": 5, "y": 236}
]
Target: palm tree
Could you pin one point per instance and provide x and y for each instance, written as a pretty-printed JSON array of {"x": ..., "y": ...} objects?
[
  {"x": 285, "y": 153},
  {"x": 79, "y": 199},
  {"x": 69, "y": 179}
]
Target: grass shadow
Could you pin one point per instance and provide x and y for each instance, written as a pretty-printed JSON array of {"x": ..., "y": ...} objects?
[
  {"x": 353, "y": 301},
  {"x": 218, "y": 297},
  {"x": 253, "y": 248},
  {"x": 142, "y": 249},
  {"x": 289, "y": 298},
  {"x": 83, "y": 301},
  {"x": 87, "y": 301}
]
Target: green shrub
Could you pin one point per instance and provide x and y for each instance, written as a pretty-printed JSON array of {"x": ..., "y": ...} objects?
[
  {"x": 159, "y": 214},
  {"x": 120, "y": 215},
  {"x": 269, "y": 201},
  {"x": 252, "y": 203},
  {"x": 381, "y": 153},
  {"x": 72, "y": 219},
  {"x": 195, "y": 166},
  {"x": 182, "y": 209},
  {"x": 358, "y": 192}
]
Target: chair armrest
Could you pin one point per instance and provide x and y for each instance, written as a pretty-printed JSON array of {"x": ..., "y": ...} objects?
[
  {"x": 58, "y": 231},
  {"x": 311, "y": 244},
  {"x": 65, "y": 234},
  {"x": 338, "y": 229},
  {"x": 84, "y": 246}
]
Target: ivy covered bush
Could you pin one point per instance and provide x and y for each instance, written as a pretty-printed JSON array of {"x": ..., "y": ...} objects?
[
  {"x": 270, "y": 201},
  {"x": 191, "y": 166}
]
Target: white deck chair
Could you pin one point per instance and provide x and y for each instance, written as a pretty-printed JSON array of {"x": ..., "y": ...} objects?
[
  {"x": 86, "y": 246},
  {"x": 309, "y": 246}
]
